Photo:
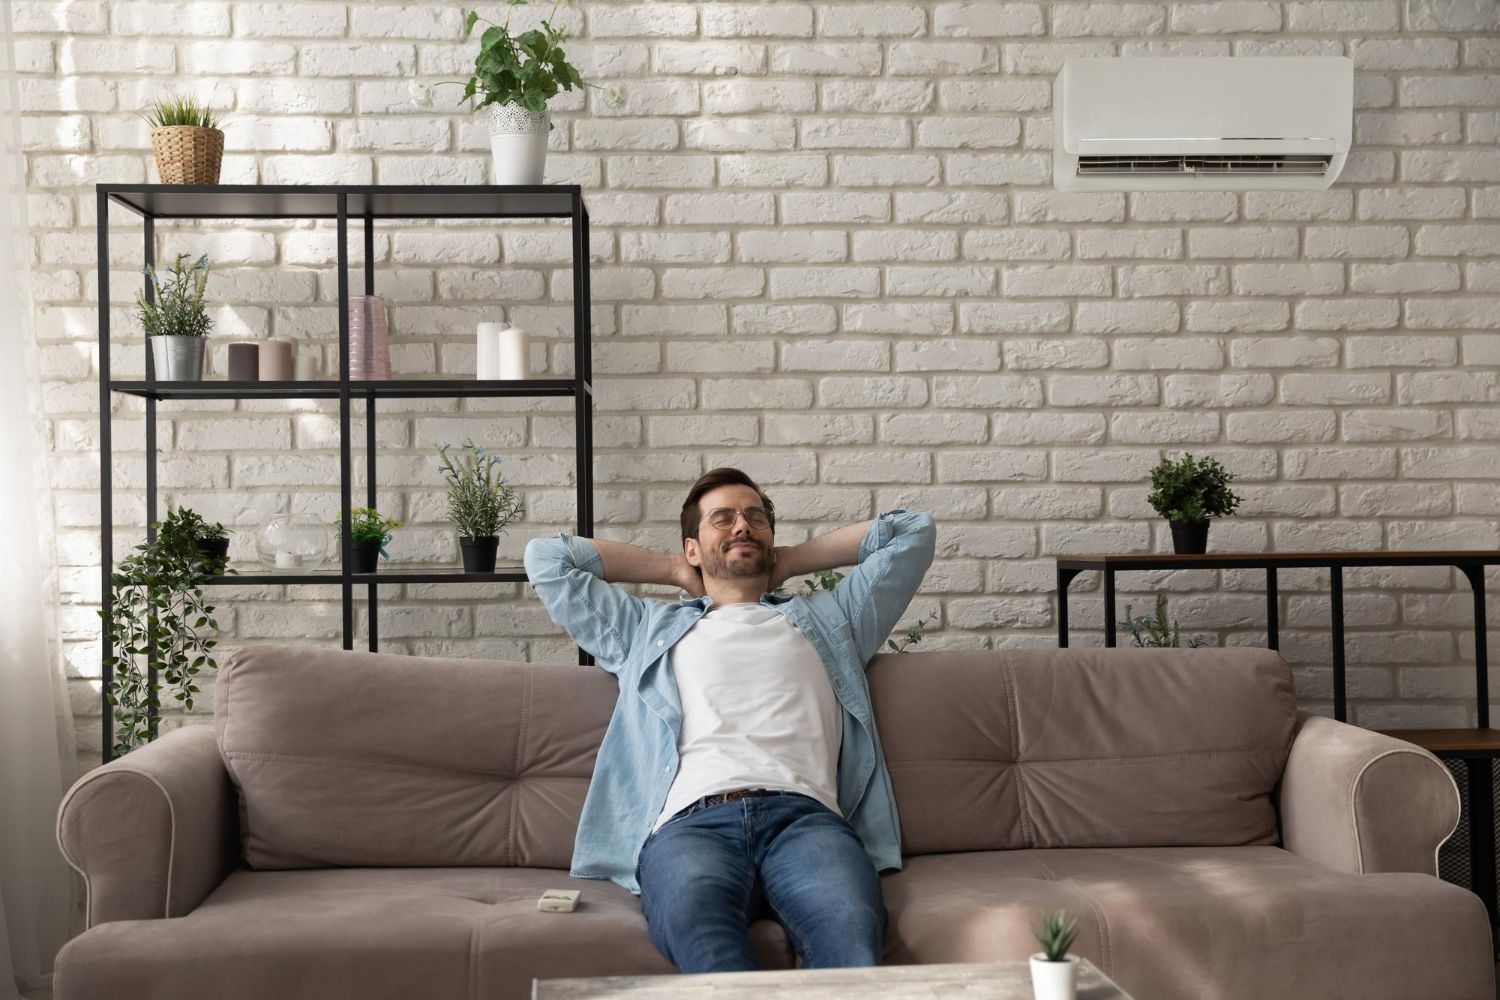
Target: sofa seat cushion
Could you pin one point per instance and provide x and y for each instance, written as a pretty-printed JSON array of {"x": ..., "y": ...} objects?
[
  {"x": 371, "y": 933},
  {"x": 1179, "y": 922}
]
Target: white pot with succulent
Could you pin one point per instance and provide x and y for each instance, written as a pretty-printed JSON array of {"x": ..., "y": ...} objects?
[
  {"x": 515, "y": 76},
  {"x": 1054, "y": 973},
  {"x": 176, "y": 321}
]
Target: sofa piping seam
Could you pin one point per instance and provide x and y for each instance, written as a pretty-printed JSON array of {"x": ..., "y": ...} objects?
[
  {"x": 1359, "y": 854},
  {"x": 93, "y": 778},
  {"x": 360, "y": 765},
  {"x": 1088, "y": 761}
]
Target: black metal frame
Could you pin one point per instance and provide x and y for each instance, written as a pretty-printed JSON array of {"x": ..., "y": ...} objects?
[
  {"x": 367, "y": 203},
  {"x": 1470, "y": 564}
]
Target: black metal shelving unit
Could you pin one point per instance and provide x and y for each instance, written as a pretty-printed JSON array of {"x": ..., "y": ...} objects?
[{"x": 367, "y": 204}]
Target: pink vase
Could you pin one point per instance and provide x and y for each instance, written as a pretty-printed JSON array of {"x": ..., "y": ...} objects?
[{"x": 369, "y": 338}]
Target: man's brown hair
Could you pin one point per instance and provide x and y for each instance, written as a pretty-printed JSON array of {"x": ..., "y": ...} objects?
[{"x": 692, "y": 516}]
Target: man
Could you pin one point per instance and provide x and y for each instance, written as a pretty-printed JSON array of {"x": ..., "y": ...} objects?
[{"x": 742, "y": 772}]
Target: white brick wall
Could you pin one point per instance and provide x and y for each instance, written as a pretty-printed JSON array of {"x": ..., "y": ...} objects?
[{"x": 826, "y": 249}]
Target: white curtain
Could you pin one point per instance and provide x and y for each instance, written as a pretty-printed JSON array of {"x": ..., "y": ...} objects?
[{"x": 36, "y": 728}]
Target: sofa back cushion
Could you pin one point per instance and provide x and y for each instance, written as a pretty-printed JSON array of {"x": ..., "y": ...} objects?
[
  {"x": 1084, "y": 748},
  {"x": 372, "y": 759}
]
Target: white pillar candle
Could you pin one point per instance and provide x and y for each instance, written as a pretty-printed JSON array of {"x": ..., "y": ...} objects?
[
  {"x": 512, "y": 351},
  {"x": 487, "y": 350},
  {"x": 306, "y": 367}
]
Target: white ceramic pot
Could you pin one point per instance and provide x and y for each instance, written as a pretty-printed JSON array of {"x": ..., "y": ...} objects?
[
  {"x": 518, "y": 142},
  {"x": 1054, "y": 980}
]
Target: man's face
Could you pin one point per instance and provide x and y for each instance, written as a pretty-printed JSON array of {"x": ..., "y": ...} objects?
[{"x": 738, "y": 551}]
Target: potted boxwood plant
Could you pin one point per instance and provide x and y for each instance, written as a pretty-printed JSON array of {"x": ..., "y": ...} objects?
[
  {"x": 187, "y": 141},
  {"x": 176, "y": 322},
  {"x": 480, "y": 504},
  {"x": 1187, "y": 493},
  {"x": 1054, "y": 973},
  {"x": 157, "y": 617},
  {"x": 515, "y": 76},
  {"x": 369, "y": 532}
]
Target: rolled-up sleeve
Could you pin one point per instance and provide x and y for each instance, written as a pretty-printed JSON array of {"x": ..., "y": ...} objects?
[
  {"x": 568, "y": 576},
  {"x": 893, "y": 558}
]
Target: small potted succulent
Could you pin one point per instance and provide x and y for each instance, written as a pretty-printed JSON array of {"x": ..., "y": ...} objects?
[
  {"x": 480, "y": 503},
  {"x": 1054, "y": 973},
  {"x": 514, "y": 76},
  {"x": 369, "y": 532},
  {"x": 1187, "y": 493},
  {"x": 211, "y": 539},
  {"x": 187, "y": 141},
  {"x": 176, "y": 321}
]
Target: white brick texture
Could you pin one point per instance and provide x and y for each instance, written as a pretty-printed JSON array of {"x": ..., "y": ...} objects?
[{"x": 826, "y": 248}]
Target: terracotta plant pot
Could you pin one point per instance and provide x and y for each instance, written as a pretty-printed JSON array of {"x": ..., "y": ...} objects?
[{"x": 188, "y": 154}]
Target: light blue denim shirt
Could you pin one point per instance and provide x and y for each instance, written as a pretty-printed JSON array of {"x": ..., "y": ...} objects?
[{"x": 631, "y": 636}]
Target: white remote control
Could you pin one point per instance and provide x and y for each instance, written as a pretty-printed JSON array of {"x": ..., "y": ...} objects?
[{"x": 558, "y": 901}]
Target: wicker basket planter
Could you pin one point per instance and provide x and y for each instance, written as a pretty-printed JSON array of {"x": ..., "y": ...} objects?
[{"x": 187, "y": 154}]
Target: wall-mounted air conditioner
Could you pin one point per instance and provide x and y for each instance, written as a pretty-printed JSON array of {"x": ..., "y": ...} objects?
[{"x": 1201, "y": 123}]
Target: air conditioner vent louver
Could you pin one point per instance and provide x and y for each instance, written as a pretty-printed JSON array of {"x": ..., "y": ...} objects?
[{"x": 1121, "y": 166}]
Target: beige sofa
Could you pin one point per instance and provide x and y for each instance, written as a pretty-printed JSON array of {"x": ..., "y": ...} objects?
[{"x": 367, "y": 826}]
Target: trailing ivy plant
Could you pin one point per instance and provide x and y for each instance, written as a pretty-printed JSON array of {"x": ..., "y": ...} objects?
[
  {"x": 527, "y": 69},
  {"x": 827, "y": 579},
  {"x": 157, "y": 616}
]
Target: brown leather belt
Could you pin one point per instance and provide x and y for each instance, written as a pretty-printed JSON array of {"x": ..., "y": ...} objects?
[{"x": 737, "y": 794}]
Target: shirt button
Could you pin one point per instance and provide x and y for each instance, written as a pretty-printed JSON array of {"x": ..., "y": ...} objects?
[
  {"x": 666, "y": 769},
  {"x": 661, "y": 642}
]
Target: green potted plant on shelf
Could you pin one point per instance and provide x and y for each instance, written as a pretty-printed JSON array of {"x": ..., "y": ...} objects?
[
  {"x": 369, "y": 533},
  {"x": 176, "y": 321},
  {"x": 1157, "y": 631},
  {"x": 514, "y": 76},
  {"x": 480, "y": 503},
  {"x": 156, "y": 616},
  {"x": 1054, "y": 972},
  {"x": 1187, "y": 493},
  {"x": 186, "y": 140}
]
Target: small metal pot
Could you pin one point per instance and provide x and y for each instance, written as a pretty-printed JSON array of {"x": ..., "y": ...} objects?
[{"x": 177, "y": 359}]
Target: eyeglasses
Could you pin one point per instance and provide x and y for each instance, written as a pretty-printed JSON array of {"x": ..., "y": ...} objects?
[{"x": 723, "y": 518}]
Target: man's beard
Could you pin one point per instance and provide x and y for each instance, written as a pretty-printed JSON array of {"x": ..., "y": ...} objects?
[{"x": 723, "y": 564}]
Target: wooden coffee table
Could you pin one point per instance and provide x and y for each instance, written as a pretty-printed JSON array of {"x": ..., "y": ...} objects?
[{"x": 998, "y": 981}]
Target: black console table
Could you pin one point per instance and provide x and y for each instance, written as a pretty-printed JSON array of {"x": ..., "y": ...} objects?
[{"x": 1477, "y": 747}]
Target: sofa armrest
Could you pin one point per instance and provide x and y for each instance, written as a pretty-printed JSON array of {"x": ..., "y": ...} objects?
[
  {"x": 155, "y": 831},
  {"x": 1359, "y": 801}
]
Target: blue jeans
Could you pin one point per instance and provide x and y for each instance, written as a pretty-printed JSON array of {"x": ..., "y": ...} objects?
[{"x": 709, "y": 872}]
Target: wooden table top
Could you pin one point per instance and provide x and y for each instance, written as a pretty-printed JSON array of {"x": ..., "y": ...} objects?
[{"x": 997, "y": 981}]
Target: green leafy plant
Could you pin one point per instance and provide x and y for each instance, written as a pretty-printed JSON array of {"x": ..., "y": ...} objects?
[
  {"x": 179, "y": 110},
  {"x": 527, "y": 69},
  {"x": 1187, "y": 491},
  {"x": 911, "y": 636},
  {"x": 1157, "y": 630},
  {"x": 480, "y": 502},
  {"x": 178, "y": 310},
  {"x": 157, "y": 618},
  {"x": 1055, "y": 935},
  {"x": 366, "y": 524},
  {"x": 827, "y": 579}
]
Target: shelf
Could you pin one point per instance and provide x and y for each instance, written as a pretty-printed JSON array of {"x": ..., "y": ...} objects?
[
  {"x": 302, "y": 201},
  {"x": 325, "y": 389},
  {"x": 411, "y": 574},
  {"x": 1482, "y": 742}
]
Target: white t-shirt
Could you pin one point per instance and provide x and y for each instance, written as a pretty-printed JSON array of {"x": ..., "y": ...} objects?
[{"x": 757, "y": 709}]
